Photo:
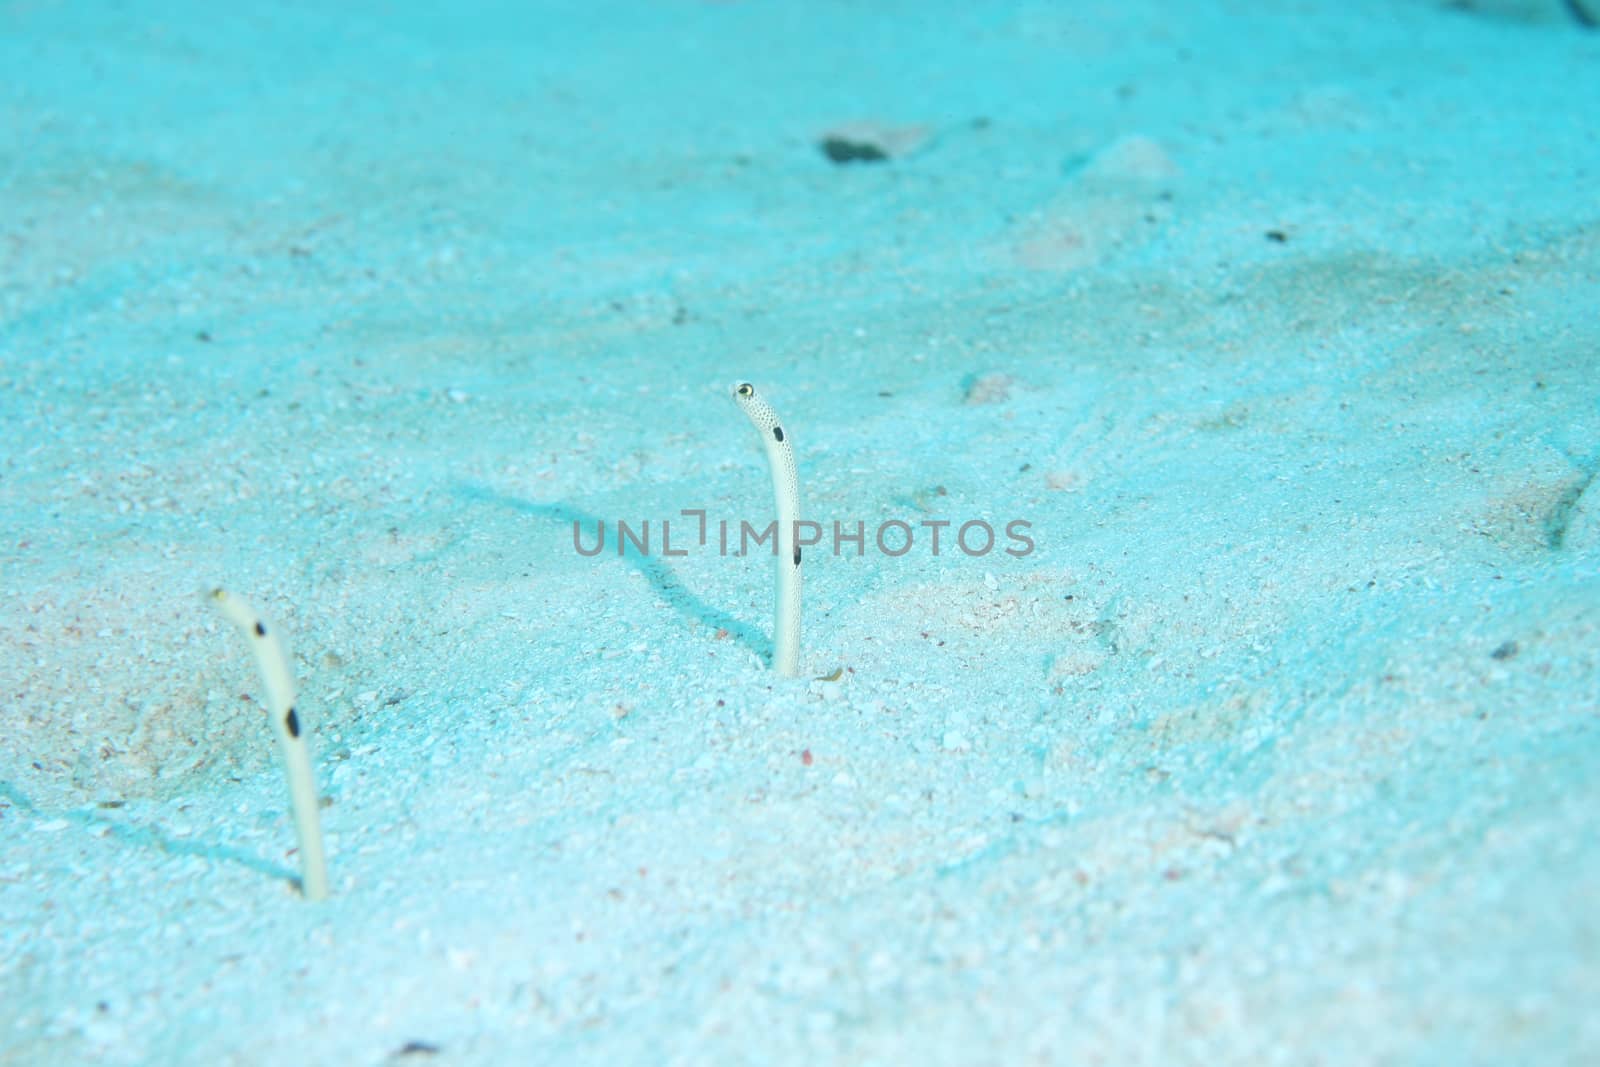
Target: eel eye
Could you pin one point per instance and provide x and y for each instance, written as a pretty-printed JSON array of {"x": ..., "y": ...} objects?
[{"x": 746, "y": 389}]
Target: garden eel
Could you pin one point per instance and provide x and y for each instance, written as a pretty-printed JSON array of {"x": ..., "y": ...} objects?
[
  {"x": 291, "y": 740},
  {"x": 786, "y": 486}
]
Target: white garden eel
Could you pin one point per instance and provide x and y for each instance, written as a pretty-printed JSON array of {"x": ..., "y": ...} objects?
[
  {"x": 291, "y": 739},
  {"x": 786, "y": 485}
]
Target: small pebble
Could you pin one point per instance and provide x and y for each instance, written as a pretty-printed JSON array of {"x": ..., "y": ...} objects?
[{"x": 992, "y": 388}]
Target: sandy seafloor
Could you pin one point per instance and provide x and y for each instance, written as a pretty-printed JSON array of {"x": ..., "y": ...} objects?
[{"x": 1278, "y": 322}]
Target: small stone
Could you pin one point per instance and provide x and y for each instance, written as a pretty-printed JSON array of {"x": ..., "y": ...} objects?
[
  {"x": 1131, "y": 158},
  {"x": 991, "y": 388},
  {"x": 870, "y": 142}
]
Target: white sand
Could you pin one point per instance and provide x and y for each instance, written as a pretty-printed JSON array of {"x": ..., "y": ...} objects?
[{"x": 1283, "y": 746}]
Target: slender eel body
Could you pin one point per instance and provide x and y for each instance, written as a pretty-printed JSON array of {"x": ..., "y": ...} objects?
[
  {"x": 291, "y": 740},
  {"x": 786, "y": 486}
]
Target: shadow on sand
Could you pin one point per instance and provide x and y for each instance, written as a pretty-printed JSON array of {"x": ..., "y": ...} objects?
[
  {"x": 149, "y": 838},
  {"x": 655, "y": 571}
]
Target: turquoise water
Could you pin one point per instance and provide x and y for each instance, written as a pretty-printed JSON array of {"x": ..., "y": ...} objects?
[{"x": 1273, "y": 324}]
